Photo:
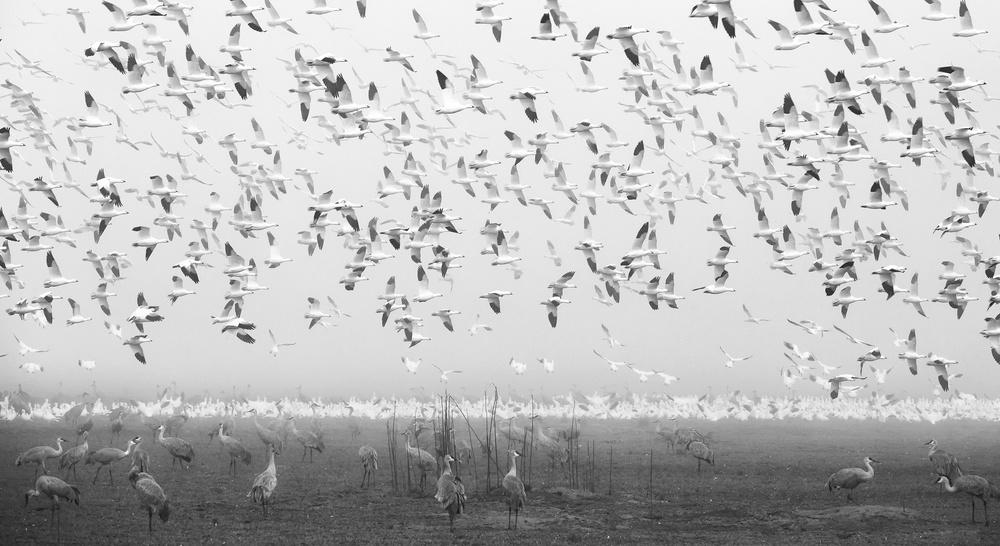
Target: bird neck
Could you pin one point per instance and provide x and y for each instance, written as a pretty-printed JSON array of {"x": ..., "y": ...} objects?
[
  {"x": 949, "y": 487},
  {"x": 513, "y": 468},
  {"x": 930, "y": 452},
  {"x": 270, "y": 462}
]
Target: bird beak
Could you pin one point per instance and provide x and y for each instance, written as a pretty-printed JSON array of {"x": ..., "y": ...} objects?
[{"x": 27, "y": 497}]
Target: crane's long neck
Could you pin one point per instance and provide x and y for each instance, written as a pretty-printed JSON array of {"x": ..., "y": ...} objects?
[
  {"x": 160, "y": 435},
  {"x": 59, "y": 447},
  {"x": 513, "y": 467},
  {"x": 270, "y": 462},
  {"x": 871, "y": 471},
  {"x": 930, "y": 453}
]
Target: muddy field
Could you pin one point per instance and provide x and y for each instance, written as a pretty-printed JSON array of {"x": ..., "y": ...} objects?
[{"x": 767, "y": 487}]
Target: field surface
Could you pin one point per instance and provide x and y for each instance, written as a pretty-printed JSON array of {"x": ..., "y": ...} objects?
[{"x": 767, "y": 487}]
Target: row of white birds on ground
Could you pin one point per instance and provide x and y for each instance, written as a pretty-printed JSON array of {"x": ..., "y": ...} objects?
[
  {"x": 735, "y": 405},
  {"x": 823, "y": 141}
]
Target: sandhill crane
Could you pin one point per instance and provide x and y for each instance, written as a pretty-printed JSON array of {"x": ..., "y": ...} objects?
[
  {"x": 38, "y": 456},
  {"x": 234, "y": 448},
  {"x": 310, "y": 441},
  {"x": 175, "y": 423},
  {"x": 975, "y": 486},
  {"x": 668, "y": 436},
  {"x": 228, "y": 424},
  {"x": 450, "y": 492},
  {"x": 701, "y": 452},
  {"x": 369, "y": 461},
  {"x": 944, "y": 463},
  {"x": 556, "y": 451},
  {"x": 140, "y": 459},
  {"x": 178, "y": 448},
  {"x": 265, "y": 482},
  {"x": 269, "y": 437},
  {"x": 54, "y": 489},
  {"x": 107, "y": 456},
  {"x": 116, "y": 423},
  {"x": 74, "y": 455},
  {"x": 424, "y": 461},
  {"x": 849, "y": 478},
  {"x": 463, "y": 451},
  {"x": 151, "y": 496},
  {"x": 88, "y": 423},
  {"x": 513, "y": 489}
]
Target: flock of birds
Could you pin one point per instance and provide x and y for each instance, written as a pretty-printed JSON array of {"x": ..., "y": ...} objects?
[{"x": 443, "y": 185}]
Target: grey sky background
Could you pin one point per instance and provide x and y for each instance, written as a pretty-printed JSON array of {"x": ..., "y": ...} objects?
[{"x": 358, "y": 356}]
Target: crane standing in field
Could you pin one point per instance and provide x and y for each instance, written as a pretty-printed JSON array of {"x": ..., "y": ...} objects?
[
  {"x": 310, "y": 441},
  {"x": 849, "y": 478},
  {"x": 74, "y": 455},
  {"x": 265, "y": 482},
  {"x": 513, "y": 489},
  {"x": 107, "y": 456},
  {"x": 369, "y": 461},
  {"x": 116, "y": 423},
  {"x": 54, "y": 489},
  {"x": 450, "y": 493},
  {"x": 944, "y": 463},
  {"x": 424, "y": 460},
  {"x": 974, "y": 486},
  {"x": 178, "y": 448},
  {"x": 151, "y": 496},
  {"x": 38, "y": 455},
  {"x": 234, "y": 448},
  {"x": 266, "y": 435},
  {"x": 701, "y": 452}
]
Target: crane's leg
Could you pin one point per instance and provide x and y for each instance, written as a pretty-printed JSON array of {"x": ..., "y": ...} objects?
[
  {"x": 517, "y": 511},
  {"x": 986, "y": 514},
  {"x": 149, "y": 509},
  {"x": 699, "y": 467},
  {"x": 36, "y": 473},
  {"x": 973, "y": 509},
  {"x": 304, "y": 449},
  {"x": 509, "y": 510},
  {"x": 111, "y": 476},
  {"x": 96, "y": 474}
]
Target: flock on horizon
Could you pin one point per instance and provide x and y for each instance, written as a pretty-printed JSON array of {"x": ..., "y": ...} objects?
[{"x": 209, "y": 211}]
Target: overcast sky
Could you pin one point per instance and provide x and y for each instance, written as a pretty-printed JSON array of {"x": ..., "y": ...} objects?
[{"x": 357, "y": 356}]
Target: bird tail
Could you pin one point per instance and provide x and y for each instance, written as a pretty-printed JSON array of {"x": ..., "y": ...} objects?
[
  {"x": 829, "y": 484},
  {"x": 18, "y": 462},
  {"x": 165, "y": 511},
  {"x": 375, "y": 460},
  {"x": 256, "y": 493},
  {"x": 246, "y": 458},
  {"x": 76, "y": 494},
  {"x": 992, "y": 491}
]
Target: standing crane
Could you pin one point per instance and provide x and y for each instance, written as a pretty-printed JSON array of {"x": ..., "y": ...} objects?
[
  {"x": 178, "y": 448},
  {"x": 424, "y": 460},
  {"x": 54, "y": 489},
  {"x": 116, "y": 423},
  {"x": 944, "y": 463},
  {"x": 228, "y": 424},
  {"x": 450, "y": 493},
  {"x": 369, "y": 461},
  {"x": 269, "y": 437},
  {"x": 151, "y": 496},
  {"x": 107, "y": 456},
  {"x": 88, "y": 423},
  {"x": 701, "y": 452},
  {"x": 974, "y": 486},
  {"x": 74, "y": 455},
  {"x": 265, "y": 482},
  {"x": 310, "y": 441},
  {"x": 513, "y": 489},
  {"x": 38, "y": 456},
  {"x": 234, "y": 448},
  {"x": 849, "y": 478}
]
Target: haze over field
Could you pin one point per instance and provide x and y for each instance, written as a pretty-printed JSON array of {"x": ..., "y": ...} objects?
[{"x": 683, "y": 178}]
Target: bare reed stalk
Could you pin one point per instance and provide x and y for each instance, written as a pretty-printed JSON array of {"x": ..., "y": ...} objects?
[{"x": 611, "y": 466}]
